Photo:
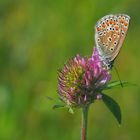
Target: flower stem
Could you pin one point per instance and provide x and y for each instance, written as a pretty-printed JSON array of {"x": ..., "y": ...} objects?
[{"x": 84, "y": 122}]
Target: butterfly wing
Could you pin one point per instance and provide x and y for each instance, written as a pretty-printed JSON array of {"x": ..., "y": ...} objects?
[{"x": 110, "y": 32}]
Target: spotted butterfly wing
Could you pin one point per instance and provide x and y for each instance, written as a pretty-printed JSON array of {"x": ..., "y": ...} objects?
[{"x": 110, "y": 32}]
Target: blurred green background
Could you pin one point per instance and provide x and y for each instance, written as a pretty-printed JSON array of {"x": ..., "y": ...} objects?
[{"x": 37, "y": 38}]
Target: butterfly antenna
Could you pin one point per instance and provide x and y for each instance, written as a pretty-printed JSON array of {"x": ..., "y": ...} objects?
[{"x": 118, "y": 76}]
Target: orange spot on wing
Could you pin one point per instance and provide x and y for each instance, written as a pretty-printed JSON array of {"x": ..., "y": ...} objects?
[
  {"x": 98, "y": 29},
  {"x": 125, "y": 23},
  {"x": 117, "y": 27},
  {"x": 110, "y": 22},
  {"x": 119, "y": 33},
  {"x": 122, "y": 20},
  {"x": 107, "y": 23},
  {"x": 114, "y": 22},
  {"x": 103, "y": 25}
]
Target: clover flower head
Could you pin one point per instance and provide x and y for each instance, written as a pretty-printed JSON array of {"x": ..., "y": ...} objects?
[{"x": 82, "y": 80}]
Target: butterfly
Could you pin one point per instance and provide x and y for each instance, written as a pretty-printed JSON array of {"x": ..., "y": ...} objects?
[{"x": 110, "y": 32}]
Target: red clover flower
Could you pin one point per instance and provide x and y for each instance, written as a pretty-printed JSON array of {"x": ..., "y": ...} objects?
[{"x": 82, "y": 80}]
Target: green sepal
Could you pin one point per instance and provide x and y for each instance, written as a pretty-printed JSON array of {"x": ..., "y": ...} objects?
[
  {"x": 113, "y": 107},
  {"x": 70, "y": 110},
  {"x": 57, "y": 106}
]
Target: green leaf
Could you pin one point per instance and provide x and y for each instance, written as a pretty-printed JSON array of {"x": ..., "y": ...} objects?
[
  {"x": 57, "y": 106},
  {"x": 118, "y": 84},
  {"x": 113, "y": 107}
]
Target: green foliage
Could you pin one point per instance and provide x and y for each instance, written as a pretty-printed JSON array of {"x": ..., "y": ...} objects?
[
  {"x": 115, "y": 84},
  {"x": 113, "y": 107}
]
